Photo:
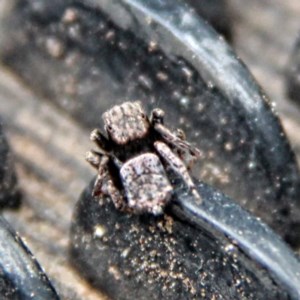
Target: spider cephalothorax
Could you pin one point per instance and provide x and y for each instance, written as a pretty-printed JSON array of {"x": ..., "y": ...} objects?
[{"x": 131, "y": 159}]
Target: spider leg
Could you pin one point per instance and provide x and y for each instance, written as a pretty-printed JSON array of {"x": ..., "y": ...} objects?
[
  {"x": 157, "y": 116},
  {"x": 177, "y": 166},
  {"x": 104, "y": 185},
  {"x": 115, "y": 196},
  {"x": 180, "y": 134},
  {"x": 99, "y": 161},
  {"x": 101, "y": 141},
  {"x": 94, "y": 158},
  {"x": 186, "y": 151}
]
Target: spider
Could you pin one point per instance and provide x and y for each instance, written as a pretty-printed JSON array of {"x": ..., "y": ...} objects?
[{"x": 134, "y": 159}]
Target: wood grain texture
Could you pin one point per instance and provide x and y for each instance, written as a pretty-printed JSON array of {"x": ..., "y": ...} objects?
[{"x": 49, "y": 147}]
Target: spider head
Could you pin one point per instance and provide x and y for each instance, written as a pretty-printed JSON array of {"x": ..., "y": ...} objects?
[{"x": 126, "y": 122}]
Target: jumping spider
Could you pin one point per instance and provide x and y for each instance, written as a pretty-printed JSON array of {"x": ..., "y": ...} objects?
[{"x": 130, "y": 161}]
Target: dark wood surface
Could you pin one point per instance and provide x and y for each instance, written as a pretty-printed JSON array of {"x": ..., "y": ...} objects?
[{"x": 49, "y": 147}]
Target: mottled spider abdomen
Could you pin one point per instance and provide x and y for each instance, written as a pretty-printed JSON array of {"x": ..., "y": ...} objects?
[
  {"x": 146, "y": 185},
  {"x": 126, "y": 122}
]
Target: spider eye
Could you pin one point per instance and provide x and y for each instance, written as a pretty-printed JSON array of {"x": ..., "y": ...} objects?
[
  {"x": 109, "y": 127},
  {"x": 143, "y": 116}
]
